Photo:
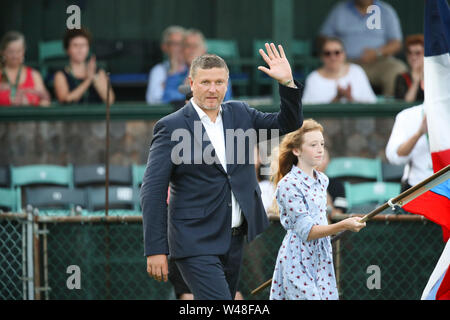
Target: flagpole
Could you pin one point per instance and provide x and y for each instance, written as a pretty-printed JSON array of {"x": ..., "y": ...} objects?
[
  {"x": 413, "y": 192},
  {"x": 402, "y": 199}
]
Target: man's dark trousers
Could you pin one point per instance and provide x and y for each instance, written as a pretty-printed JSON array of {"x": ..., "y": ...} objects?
[{"x": 214, "y": 277}]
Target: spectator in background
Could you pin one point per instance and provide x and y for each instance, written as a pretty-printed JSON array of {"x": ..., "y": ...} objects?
[
  {"x": 263, "y": 173},
  {"x": 81, "y": 81},
  {"x": 194, "y": 45},
  {"x": 172, "y": 47},
  {"x": 337, "y": 80},
  {"x": 408, "y": 145},
  {"x": 336, "y": 199},
  {"x": 373, "y": 48},
  {"x": 407, "y": 84},
  {"x": 19, "y": 84}
]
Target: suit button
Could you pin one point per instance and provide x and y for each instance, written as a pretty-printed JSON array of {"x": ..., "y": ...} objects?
[
  {"x": 228, "y": 177},
  {"x": 229, "y": 204}
]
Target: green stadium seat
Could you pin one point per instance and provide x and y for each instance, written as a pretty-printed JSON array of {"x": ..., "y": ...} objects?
[
  {"x": 55, "y": 201},
  {"x": 41, "y": 174},
  {"x": 138, "y": 174},
  {"x": 9, "y": 199},
  {"x": 354, "y": 167},
  {"x": 51, "y": 49},
  {"x": 5, "y": 179},
  {"x": 229, "y": 51},
  {"x": 392, "y": 172},
  {"x": 30, "y": 175},
  {"x": 94, "y": 175},
  {"x": 122, "y": 200},
  {"x": 51, "y": 55},
  {"x": 366, "y": 193}
]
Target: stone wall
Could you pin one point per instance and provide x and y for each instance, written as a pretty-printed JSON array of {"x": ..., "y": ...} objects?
[{"x": 79, "y": 143}]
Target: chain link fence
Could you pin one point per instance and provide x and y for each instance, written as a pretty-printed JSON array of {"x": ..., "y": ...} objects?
[
  {"x": 12, "y": 257},
  {"x": 108, "y": 257},
  {"x": 401, "y": 252}
]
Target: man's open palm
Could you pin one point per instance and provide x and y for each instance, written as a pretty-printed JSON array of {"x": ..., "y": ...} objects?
[{"x": 279, "y": 67}]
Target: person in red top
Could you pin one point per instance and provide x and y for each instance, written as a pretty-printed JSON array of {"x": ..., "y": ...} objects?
[{"x": 19, "y": 85}]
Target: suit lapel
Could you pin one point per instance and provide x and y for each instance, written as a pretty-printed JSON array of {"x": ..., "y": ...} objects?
[
  {"x": 191, "y": 117},
  {"x": 194, "y": 124},
  {"x": 227, "y": 120}
]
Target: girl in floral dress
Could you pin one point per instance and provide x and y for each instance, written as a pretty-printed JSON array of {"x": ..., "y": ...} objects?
[{"x": 304, "y": 267}]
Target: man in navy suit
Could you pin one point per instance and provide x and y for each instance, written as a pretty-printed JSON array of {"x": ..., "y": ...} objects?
[{"x": 214, "y": 194}]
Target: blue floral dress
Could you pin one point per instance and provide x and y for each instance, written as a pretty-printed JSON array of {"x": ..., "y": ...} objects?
[{"x": 304, "y": 269}]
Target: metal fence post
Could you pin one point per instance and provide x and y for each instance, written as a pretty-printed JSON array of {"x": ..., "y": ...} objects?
[
  {"x": 24, "y": 261},
  {"x": 30, "y": 260},
  {"x": 46, "y": 286},
  {"x": 36, "y": 254}
]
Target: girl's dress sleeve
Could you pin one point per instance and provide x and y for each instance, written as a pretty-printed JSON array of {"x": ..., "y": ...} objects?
[{"x": 294, "y": 213}]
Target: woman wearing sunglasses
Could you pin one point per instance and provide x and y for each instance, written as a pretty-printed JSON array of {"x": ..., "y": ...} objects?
[{"x": 337, "y": 80}]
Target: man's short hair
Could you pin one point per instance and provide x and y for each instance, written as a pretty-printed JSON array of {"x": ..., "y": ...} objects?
[
  {"x": 207, "y": 61},
  {"x": 169, "y": 31},
  {"x": 195, "y": 32}
]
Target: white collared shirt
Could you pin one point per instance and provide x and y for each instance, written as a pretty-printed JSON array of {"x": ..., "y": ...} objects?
[
  {"x": 407, "y": 123},
  {"x": 217, "y": 138}
]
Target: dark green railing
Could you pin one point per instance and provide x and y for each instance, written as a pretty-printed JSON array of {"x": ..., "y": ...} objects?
[{"x": 141, "y": 111}]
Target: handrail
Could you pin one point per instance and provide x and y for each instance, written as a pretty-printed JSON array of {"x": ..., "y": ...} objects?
[
  {"x": 142, "y": 111},
  {"x": 138, "y": 218},
  {"x": 380, "y": 217}
]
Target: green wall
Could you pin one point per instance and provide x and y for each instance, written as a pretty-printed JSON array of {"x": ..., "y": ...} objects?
[{"x": 242, "y": 20}]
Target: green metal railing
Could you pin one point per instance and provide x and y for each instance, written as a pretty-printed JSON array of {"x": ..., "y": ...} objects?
[{"x": 140, "y": 111}]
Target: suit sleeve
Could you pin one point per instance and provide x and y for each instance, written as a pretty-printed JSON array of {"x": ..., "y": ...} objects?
[
  {"x": 154, "y": 192},
  {"x": 290, "y": 116}
]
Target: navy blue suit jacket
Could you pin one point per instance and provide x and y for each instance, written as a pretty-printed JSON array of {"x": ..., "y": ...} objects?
[{"x": 197, "y": 220}]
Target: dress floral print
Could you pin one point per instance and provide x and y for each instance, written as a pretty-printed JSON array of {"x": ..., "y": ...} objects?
[{"x": 304, "y": 269}]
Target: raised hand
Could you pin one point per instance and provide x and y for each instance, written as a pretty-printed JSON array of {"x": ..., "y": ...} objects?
[
  {"x": 348, "y": 92},
  {"x": 91, "y": 67},
  {"x": 279, "y": 67}
]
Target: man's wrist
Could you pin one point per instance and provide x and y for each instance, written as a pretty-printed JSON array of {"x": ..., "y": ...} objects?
[{"x": 289, "y": 83}]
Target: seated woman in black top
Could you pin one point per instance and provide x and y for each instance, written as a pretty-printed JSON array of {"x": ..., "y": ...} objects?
[
  {"x": 80, "y": 81},
  {"x": 407, "y": 85}
]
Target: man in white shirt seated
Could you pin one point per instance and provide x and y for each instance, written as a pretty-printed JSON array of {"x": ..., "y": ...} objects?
[
  {"x": 171, "y": 46},
  {"x": 408, "y": 145}
]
